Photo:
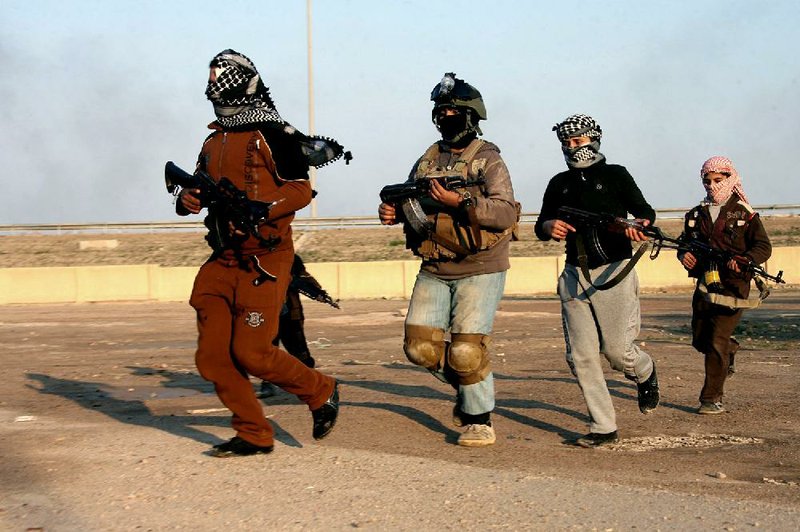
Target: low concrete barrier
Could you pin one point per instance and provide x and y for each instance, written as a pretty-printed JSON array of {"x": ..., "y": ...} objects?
[{"x": 343, "y": 280}]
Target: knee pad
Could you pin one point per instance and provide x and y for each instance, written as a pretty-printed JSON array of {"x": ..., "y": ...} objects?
[
  {"x": 424, "y": 346},
  {"x": 468, "y": 357}
]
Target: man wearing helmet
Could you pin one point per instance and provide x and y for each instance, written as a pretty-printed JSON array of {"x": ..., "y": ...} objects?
[
  {"x": 600, "y": 317},
  {"x": 463, "y": 238}
]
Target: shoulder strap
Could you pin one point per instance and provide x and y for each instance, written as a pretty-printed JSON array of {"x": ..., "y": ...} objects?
[
  {"x": 584, "y": 264},
  {"x": 462, "y": 165}
]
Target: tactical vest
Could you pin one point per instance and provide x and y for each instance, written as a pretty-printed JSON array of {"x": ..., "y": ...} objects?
[{"x": 448, "y": 237}]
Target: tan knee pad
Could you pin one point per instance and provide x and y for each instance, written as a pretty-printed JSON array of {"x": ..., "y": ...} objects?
[
  {"x": 468, "y": 356},
  {"x": 424, "y": 346}
]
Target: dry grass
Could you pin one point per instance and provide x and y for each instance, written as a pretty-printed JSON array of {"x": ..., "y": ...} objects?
[{"x": 328, "y": 245}]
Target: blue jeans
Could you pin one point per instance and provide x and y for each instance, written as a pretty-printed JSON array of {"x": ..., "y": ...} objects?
[{"x": 461, "y": 306}]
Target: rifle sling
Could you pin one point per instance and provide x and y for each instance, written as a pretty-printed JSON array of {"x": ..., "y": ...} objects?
[{"x": 584, "y": 264}]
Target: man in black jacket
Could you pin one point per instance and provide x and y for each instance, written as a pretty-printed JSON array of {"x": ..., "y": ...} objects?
[{"x": 599, "y": 298}]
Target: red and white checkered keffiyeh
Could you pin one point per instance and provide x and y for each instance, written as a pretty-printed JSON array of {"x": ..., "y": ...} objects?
[{"x": 722, "y": 191}]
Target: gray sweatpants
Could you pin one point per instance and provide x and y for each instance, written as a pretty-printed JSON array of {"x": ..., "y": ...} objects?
[{"x": 601, "y": 322}]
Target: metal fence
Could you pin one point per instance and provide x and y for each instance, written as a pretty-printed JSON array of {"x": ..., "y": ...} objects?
[{"x": 300, "y": 223}]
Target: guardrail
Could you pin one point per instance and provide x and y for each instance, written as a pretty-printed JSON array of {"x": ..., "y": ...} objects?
[{"x": 300, "y": 223}]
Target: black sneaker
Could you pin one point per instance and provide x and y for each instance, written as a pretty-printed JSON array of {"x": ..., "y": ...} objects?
[
  {"x": 648, "y": 393},
  {"x": 594, "y": 439},
  {"x": 325, "y": 416},
  {"x": 238, "y": 447}
]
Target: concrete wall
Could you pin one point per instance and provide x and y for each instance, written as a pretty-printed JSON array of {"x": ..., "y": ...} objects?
[{"x": 343, "y": 280}]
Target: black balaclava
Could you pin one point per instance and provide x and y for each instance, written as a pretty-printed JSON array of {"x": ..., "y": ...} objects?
[{"x": 460, "y": 129}]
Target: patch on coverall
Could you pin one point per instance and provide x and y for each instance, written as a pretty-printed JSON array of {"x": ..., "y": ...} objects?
[{"x": 254, "y": 319}]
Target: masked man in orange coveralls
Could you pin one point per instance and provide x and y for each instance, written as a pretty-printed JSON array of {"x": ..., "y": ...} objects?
[{"x": 237, "y": 318}]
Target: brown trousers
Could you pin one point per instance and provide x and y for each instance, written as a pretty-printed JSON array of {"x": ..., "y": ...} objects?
[
  {"x": 712, "y": 327},
  {"x": 237, "y": 322}
]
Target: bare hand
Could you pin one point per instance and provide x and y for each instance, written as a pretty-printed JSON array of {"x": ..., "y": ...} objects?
[
  {"x": 449, "y": 198},
  {"x": 557, "y": 229},
  {"x": 190, "y": 200},
  {"x": 634, "y": 234},
  {"x": 688, "y": 260},
  {"x": 733, "y": 265},
  {"x": 387, "y": 214}
]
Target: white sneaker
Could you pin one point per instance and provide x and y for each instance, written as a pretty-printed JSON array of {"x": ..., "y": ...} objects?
[{"x": 477, "y": 436}]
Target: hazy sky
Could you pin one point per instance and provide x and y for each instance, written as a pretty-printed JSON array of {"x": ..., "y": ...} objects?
[{"x": 98, "y": 95}]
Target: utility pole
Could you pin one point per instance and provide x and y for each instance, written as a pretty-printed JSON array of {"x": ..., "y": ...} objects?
[{"x": 312, "y": 171}]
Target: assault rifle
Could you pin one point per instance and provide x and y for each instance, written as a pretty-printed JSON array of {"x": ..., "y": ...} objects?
[
  {"x": 420, "y": 188},
  {"x": 312, "y": 291},
  {"x": 591, "y": 221},
  {"x": 588, "y": 220},
  {"x": 245, "y": 214},
  {"x": 409, "y": 195},
  {"x": 706, "y": 253}
]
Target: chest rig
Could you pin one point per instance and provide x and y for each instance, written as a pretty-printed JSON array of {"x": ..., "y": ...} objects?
[{"x": 438, "y": 234}]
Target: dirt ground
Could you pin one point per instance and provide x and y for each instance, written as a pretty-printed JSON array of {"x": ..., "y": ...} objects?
[
  {"x": 104, "y": 425},
  {"x": 329, "y": 245}
]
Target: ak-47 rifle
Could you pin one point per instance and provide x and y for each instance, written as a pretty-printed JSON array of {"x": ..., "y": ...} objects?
[
  {"x": 420, "y": 188},
  {"x": 245, "y": 214},
  {"x": 591, "y": 221},
  {"x": 706, "y": 253},
  {"x": 409, "y": 195},
  {"x": 659, "y": 240},
  {"x": 311, "y": 290}
]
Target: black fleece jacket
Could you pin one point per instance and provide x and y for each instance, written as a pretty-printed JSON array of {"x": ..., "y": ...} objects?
[{"x": 603, "y": 189}]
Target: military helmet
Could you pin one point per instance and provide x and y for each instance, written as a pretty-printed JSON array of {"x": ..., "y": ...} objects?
[{"x": 455, "y": 92}]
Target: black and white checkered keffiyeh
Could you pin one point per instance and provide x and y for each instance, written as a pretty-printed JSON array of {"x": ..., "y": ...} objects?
[
  {"x": 578, "y": 125},
  {"x": 238, "y": 94},
  {"x": 240, "y": 98}
]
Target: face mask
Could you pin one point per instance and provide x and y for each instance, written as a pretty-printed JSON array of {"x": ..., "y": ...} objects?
[
  {"x": 451, "y": 127},
  {"x": 582, "y": 156},
  {"x": 720, "y": 193}
]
